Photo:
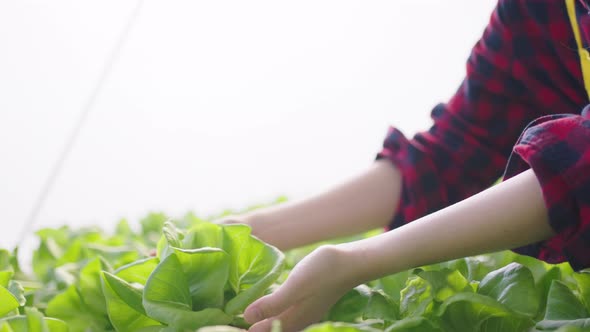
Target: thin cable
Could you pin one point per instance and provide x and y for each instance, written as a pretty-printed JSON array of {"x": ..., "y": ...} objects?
[{"x": 75, "y": 133}]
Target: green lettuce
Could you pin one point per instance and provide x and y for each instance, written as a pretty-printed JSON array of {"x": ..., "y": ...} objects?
[{"x": 193, "y": 275}]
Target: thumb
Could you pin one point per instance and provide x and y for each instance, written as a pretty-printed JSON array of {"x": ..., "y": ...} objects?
[{"x": 268, "y": 306}]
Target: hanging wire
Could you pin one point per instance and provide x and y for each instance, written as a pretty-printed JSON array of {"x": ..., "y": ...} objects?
[{"x": 79, "y": 125}]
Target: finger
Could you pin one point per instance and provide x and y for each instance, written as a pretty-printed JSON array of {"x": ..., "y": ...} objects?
[
  {"x": 264, "y": 325},
  {"x": 303, "y": 314},
  {"x": 268, "y": 306},
  {"x": 265, "y": 307},
  {"x": 296, "y": 318}
]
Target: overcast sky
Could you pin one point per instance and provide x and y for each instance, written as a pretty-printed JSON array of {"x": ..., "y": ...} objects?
[{"x": 213, "y": 104}]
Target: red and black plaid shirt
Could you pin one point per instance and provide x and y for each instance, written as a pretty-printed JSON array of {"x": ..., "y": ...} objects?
[{"x": 519, "y": 107}]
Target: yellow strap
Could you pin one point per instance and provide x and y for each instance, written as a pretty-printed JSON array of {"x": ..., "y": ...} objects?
[{"x": 583, "y": 53}]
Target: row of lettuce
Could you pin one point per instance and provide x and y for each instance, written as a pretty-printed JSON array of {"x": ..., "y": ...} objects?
[{"x": 191, "y": 274}]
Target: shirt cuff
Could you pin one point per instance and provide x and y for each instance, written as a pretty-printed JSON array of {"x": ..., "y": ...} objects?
[
  {"x": 556, "y": 147},
  {"x": 422, "y": 192}
]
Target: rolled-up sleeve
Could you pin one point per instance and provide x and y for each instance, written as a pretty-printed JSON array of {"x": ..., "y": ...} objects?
[
  {"x": 467, "y": 147},
  {"x": 557, "y": 148},
  {"x": 515, "y": 74}
]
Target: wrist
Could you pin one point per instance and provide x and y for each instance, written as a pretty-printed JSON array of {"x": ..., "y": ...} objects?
[
  {"x": 374, "y": 259},
  {"x": 349, "y": 255}
]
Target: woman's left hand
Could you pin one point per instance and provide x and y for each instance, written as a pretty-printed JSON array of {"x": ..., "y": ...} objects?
[{"x": 313, "y": 286}]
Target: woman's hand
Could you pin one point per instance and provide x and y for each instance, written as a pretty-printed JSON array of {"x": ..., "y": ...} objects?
[
  {"x": 508, "y": 215},
  {"x": 364, "y": 202},
  {"x": 314, "y": 285}
]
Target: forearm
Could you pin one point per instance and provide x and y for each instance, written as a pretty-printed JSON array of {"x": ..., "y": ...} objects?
[
  {"x": 365, "y": 202},
  {"x": 508, "y": 215}
]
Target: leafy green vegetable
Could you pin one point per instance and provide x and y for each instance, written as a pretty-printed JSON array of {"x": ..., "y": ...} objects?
[
  {"x": 90, "y": 285},
  {"x": 254, "y": 266},
  {"x": 69, "y": 307},
  {"x": 341, "y": 327},
  {"x": 139, "y": 271},
  {"x": 207, "y": 271},
  {"x": 445, "y": 283},
  {"x": 193, "y": 275},
  {"x": 380, "y": 306},
  {"x": 514, "y": 287},
  {"x": 475, "y": 312},
  {"x": 417, "y": 298},
  {"x": 412, "y": 324},
  {"x": 124, "y": 304},
  {"x": 563, "y": 309},
  {"x": 167, "y": 298},
  {"x": 32, "y": 321},
  {"x": 56, "y": 325},
  {"x": 5, "y": 327},
  {"x": 8, "y": 302},
  {"x": 351, "y": 306},
  {"x": 583, "y": 280}
]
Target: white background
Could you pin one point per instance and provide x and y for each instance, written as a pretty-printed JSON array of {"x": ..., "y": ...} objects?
[{"x": 213, "y": 104}]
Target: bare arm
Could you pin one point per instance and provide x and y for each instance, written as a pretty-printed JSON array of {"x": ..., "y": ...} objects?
[
  {"x": 365, "y": 202},
  {"x": 508, "y": 215}
]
